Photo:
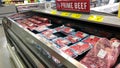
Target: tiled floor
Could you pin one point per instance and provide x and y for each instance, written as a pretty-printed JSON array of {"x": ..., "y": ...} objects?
[{"x": 5, "y": 61}]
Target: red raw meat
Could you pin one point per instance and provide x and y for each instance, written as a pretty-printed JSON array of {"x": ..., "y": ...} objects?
[
  {"x": 80, "y": 34},
  {"x": 41, "y": 28},
  {"x": 50, "y": 36},
  {"x": 29, "y": 23},
  {"x": 103, "y": 55},
  {"x": 49, "y": 31},
  {"x": 91, "y": 39},
  {"x": 34, "y": 21},
  {"x": 61, "y": 42},
  {"x": 44, "y": 20},
  {"x": 48, "y": 24},
  {"x": 59, "y": 28},
  {"x": 73, "y": 39},
  {"x": 68, "y": 51},
  {"x": 118, "y": 66},
  {"x": 67, "y": 30},
  {"x": 32, "y": 28},
  {"x": 80, "y": 47}
]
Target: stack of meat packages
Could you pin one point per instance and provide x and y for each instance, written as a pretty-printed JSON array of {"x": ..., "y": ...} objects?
[
  {"x": 103, "y": 55},
  {"x": 34, "y": 23},
  {"x": 72, "y": 44}
]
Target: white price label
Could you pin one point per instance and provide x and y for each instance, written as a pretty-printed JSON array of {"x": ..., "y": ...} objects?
[
  {"x": 116, "y": 44},
  {"x": 102, "y": 53},
  {"x": 84, "y": 35},
  {"x": 75, "y": 38},
  {"x": 80, "y": 43},
  {"x": 92, "y": 37}
]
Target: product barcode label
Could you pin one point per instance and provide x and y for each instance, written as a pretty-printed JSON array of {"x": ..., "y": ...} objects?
[
  {"x": 101, "y": 53},
  {"x": 116, "y": 44}
]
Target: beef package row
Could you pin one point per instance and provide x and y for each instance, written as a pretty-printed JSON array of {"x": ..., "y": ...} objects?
[{"x": 103, "y": 52}]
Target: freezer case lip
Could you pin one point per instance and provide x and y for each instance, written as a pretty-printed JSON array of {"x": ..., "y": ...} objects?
[
  {"x": 65, "y": 59},
  {"x": 24, "y": 52}
]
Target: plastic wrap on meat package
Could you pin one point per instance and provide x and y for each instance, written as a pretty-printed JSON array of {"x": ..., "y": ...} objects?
[
  {"x": 34, "y": 21},
  {"x": 41, "y": 28},
  {"x": 67, "y": 30},
  {"x": 69, "y": 51},
  {"x": 49, "y": 31},
  {"x": 49, "y": 36},
  {"x": 61, "y": 42},
  {"x": 80, "y": 47},
  {"x": 80, "y": 34},
  {"x": 58, "y": 29},
  {"x": 44, "y": 20},
  {"x": 102, "y": 55},
  {"x": 91, "y": 39},
  {"x": 73, "y": 39}
]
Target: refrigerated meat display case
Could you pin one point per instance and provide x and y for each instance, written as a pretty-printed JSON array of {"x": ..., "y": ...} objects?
[{"x": 39, "y": 51}]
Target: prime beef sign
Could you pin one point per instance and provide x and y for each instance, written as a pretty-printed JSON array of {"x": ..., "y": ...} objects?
[{"x": 73, "y": 5}]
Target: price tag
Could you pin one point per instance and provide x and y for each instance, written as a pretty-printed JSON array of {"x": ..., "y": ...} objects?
[
  {"x": 53, "y": 12},
  {"x": 102, "y": 53},
  {"x": 65, "y": 13},
  {"x": 74, "y": 15},
  {"x": 116, "y": 44},
  {"x": 96, "y": 18}
]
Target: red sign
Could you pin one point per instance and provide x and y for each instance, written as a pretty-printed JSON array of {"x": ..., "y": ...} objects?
[{"x": 73, "y": 5}]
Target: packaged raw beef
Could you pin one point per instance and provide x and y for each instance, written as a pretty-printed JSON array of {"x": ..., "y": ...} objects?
[
  {"x": 41, "y": 28},
  {"x": 49, "y": 31},
  {"x": 80, "y": 47},
  {"x": 72, "y": 39},
  {"x": 34, "y": 21},
  {"x": 48, "y": 24},
  {"x": 68, "y": 51},
  {"x": 29, "y": 23},
  {"x": 118, "y": 66},
  {"x": 67, "y": 30},
  {"x": 91, "y": 40},
  {"x": 31, "y": 28},
  {"x": 80, "y": 34},
  {"x": 58, "y": 29},
  {"x": 50, "y": 36},
  {"x": 102, "y": 55},
  {"x": 61, "y": 42},
  {"x": 44, "y": 20}
]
